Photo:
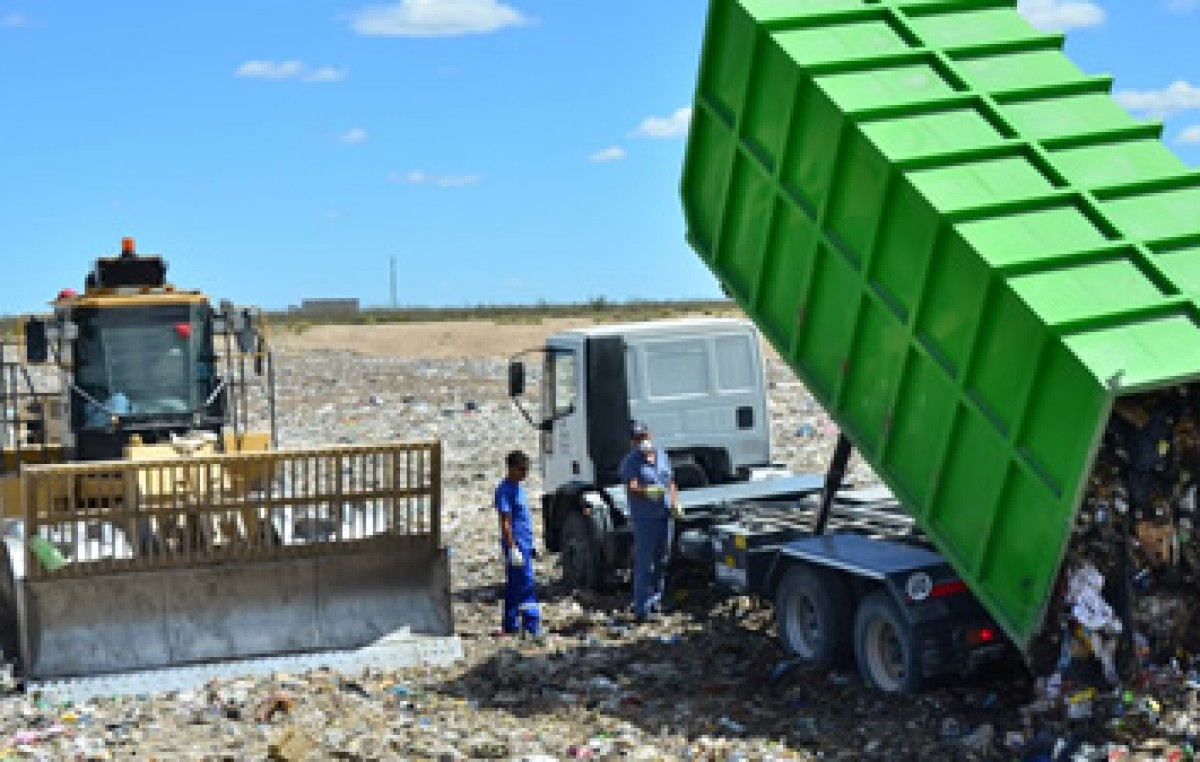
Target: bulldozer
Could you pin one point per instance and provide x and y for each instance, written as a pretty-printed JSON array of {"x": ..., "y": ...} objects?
[{"x": 149, "y": 518}]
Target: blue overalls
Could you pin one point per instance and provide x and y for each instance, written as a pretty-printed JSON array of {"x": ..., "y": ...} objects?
[
  {"x": 653, "y": 529},
  {"x": 521, "y": 611}
]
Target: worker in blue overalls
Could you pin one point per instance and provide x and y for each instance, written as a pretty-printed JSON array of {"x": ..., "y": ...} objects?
[
  {"x": 521, "y": 612},
  {"x": 653, "y": 502}
]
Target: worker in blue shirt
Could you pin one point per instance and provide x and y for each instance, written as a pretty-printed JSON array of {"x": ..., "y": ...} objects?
[
  {"x": 653, "y": 502},
  {"x": 521, "y": 612}
]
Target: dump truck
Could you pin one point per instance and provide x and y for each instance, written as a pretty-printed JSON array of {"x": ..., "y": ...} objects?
[
  {"x": 799, "y": 541},
  {"x": 149, "y": 524},
  {"x": 982, "y": 267}
]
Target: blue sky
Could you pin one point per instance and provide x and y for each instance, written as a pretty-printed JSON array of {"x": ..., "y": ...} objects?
[{"x": 504, "y": 151}]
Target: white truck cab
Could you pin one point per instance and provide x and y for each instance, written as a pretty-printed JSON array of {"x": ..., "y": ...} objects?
[{"x": 698, "y": 384}]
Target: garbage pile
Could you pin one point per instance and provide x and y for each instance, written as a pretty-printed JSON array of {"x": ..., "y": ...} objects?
[{"x": 1126, "y": 618}]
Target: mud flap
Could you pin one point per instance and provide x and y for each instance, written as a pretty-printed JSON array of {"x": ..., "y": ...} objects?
[{"x": 148, "y": 619}]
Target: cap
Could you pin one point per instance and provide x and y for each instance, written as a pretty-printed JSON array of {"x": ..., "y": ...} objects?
[{"x": 637, "y": 430}]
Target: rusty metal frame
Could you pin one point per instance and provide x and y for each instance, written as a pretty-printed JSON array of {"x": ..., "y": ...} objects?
[
  {"x": 18, "y": 397},
  {"x": 128, "y": 516}
]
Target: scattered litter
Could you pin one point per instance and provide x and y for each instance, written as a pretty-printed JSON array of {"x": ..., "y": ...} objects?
[{"x": 698, "y": 684}]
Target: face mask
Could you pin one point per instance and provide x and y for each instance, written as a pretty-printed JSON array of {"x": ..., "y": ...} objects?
[{"x": 647, "y": 445}]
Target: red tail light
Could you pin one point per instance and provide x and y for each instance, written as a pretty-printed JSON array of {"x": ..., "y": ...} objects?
[
  {"x": 980, "y": 636},
  {"x": 948, "y": 588}
]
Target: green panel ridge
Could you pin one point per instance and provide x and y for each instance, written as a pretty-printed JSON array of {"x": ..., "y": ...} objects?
[{"x": 962, "y": 244}]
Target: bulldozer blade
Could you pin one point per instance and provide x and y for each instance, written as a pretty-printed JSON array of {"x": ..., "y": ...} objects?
[
  {"x": 123, "y": 566},
  {"x": 123, "y": 622}
]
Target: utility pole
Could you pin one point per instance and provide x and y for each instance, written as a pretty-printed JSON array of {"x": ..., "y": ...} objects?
[{"x": 394, "y": 305}]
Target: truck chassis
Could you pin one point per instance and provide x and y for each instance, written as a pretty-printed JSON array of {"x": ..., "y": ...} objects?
[{"x": 850, "y": 576}]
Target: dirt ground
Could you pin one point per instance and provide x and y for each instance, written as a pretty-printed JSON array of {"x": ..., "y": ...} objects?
[
  {"x": 452, "y": 340},
  {"x": 435, "y": 341}
]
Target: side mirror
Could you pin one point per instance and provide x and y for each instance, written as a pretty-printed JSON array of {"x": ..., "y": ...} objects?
[
  {"x": 37, "y": 344},
  {"x": 516, "y": 378},
  {"x": 247, "y": 338}
]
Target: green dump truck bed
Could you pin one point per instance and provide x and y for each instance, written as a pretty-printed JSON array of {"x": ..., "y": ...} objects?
[{"x": 960, "y": 242}]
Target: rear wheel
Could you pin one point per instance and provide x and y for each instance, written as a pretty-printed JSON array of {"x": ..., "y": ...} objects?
[
  {"x": 579, "y": 554},
  {"x": 813, "y": 616},
  {"x": 884, "y": 646}
]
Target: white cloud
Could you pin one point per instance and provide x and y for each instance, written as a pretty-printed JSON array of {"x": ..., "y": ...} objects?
[
  {"x": 412, "y": 177},
  {"x": 456, "y": 181},
  {"x": 673, "y": 126},
  {"x": 354, "y": 136},
  {"x": 1190, "y": 136},
  {"x": 436, "y": 18},
  {"x": 325, "y": 74},
  {"x": 612, "y": 153},
  {"x": 1160, "y": 104},
  {"x": 1061, "y": 15},
  {"x": 292, "y": 69},
  {"x": 270, "y": 69},
  {"x": 421, "y": 177},
  {"x": 14, "y": 20},
  {"x": 1183, "y": 6}
]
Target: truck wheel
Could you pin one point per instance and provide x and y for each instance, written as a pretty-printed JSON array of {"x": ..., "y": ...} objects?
[
  {"x": 690, "y": 475},
  {"x": 578, "y": 554},
  {"x": 813, "y": 616},
  {"x": 884, "y": 647}
]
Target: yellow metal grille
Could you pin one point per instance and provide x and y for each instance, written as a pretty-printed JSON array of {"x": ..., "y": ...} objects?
[{"x": 113, "y": 516}]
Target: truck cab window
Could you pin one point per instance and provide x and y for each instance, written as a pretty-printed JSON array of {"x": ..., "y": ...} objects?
[{"x": 561, "y": 365}]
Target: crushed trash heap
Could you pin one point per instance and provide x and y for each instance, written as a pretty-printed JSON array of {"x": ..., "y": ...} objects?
[{"x": 1125, "y": 609}]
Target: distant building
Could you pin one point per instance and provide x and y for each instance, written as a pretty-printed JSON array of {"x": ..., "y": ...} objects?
[{"x": 327, "y": 307}]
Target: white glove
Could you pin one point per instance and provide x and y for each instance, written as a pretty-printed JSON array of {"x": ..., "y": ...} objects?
[{"x": 515, "y": 556}]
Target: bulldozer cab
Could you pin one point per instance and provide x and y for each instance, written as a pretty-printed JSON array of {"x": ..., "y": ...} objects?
[
  {"x": 145, "y": 370},
  {"x": 143, "y": 362}
]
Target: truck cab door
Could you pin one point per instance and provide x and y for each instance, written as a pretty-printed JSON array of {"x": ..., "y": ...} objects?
[{"x": 563, "y": 439}]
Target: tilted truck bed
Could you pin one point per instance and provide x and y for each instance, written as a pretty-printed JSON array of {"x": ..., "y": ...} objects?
[{"x": 964, "y": 247}]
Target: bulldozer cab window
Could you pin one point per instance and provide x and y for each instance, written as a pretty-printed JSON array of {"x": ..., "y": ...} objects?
[{"x": 143, "y": 361}]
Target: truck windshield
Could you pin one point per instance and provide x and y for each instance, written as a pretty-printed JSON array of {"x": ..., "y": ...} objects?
[{"x": 143, "y": 361}]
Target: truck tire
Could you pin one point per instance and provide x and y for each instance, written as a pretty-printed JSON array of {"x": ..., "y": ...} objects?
[
  {"x": 690, "y": 475},
  {"x": 884, "y": 646},
  {"x": 579, "y": 553},
  {"x": 813, "y": 616}
]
